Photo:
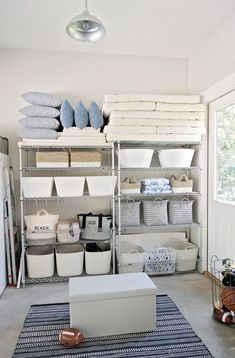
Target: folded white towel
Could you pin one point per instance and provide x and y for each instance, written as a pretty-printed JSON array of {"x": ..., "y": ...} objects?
[
  {"x": 180, "y": 123},
  {"x": 132, "y": 122},
  {"x": 200, "y": 107},
  {"x": 143, "y": 97},
  {"x": 127, "y": 106},
  {"x": 129, "y": 129},
  {"x": 56, "y": 143},
  {"x": 181, "y": 130},
  {"x": 157, "y": 115},
  {"x": 185, "y": 138},
  {"x": 72, "y": 131}
]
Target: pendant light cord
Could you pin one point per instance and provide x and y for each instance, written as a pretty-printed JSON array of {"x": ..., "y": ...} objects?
[{"x": 85, "y": 4}]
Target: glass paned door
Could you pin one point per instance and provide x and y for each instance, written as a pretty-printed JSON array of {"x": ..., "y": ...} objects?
[
  {"x": 225, "y": 154},
  {"x": 221, "y": 178}
]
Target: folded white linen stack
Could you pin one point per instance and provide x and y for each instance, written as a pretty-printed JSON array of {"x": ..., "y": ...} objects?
[
  {"x": 84, "y": 136},
  {"x": 133, "y": 117}
]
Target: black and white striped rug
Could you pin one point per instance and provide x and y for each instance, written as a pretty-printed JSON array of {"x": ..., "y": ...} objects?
[{"x": 173, "y": 338}]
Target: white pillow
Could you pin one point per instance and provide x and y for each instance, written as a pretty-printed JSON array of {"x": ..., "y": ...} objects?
[{"x": 41, "y": 99}]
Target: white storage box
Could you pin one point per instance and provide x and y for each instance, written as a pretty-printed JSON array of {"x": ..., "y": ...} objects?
[
  {"x": 37, "y": 187},
  {"x": 98, "y": 262},
  {"x": 181, "y": 157},
  {"x": 136, "y": 158},
  {"x": 69, "y": 259},
  {"x": 69, "y": 186},
  {"x": 40, "y": 261},
  {"x": 112, "y": 304},
  {"x": 101, "y": 185},
  {"x": 186, "y": 255}
]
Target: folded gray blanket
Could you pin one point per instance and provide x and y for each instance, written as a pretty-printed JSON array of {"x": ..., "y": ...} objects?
[{"x": 37, "y": 133}]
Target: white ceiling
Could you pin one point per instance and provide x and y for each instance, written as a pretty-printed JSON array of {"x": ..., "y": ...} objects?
[{"x": 166, "y": 28}]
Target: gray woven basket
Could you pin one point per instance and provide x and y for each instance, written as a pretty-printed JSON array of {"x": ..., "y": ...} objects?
[
  {"x": 180, "y": 211},
  {"x": 130, "y": 213},
  {"x": 155, "y": 212}
]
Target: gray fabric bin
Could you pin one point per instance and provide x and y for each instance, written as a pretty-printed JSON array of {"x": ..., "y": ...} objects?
[
  {"x": 130, "y": 213},
  {"x": 155, "y": 212},
  {"x": 180, "y": 211}
]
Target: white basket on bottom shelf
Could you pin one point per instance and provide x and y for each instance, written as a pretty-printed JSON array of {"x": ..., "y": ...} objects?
[
  {"x": 131, "y": 258},
  {"x": 40, "y": 261},
  {"x": 186, "y": 254}
]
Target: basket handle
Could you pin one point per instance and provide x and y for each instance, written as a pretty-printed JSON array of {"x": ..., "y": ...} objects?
[
  {"x": 133, "y": 251},
  {"x": 159, "y": 199},
  {"x": 184, "y": 201},
  {"x": 189, "y": 248},
  {"x": 183, "y": 177},
  {"x": 173, "y": 177},
  {"x": 42, "y": 212}
]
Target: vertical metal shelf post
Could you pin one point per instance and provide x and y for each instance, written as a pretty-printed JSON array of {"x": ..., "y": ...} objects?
[
  {"x": 21, "y": 276},
  {"x": 119, "y": 206},
  {"x": 113, "y": 213}
]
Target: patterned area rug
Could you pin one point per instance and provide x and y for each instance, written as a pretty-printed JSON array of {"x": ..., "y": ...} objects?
[{"x": 173, "y": 338}]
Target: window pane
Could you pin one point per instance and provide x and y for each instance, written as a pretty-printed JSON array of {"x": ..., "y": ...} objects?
[{"x": 225, "y": 188}]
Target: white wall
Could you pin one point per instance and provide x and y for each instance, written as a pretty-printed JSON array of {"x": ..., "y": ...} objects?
[
  {"x": 213, "y": 58},
  {"x": 80, "y": 76}
]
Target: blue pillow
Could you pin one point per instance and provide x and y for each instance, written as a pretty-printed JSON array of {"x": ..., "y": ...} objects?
[
  {"x": 81, "y": 115},
  {"x": 95, "y": 116},
  {"x": 66, "y": 114}
]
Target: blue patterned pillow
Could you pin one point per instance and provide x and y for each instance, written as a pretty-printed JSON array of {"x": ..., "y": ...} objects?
[
  {"x": 66, "y": 114},
  {"x": 95, "y": 116},
  {"x": 81, "y": 115}
]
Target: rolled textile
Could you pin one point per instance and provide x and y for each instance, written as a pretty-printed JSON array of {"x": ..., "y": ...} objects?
[
  {"x": 130, "y": 129},
  {"x": 183, "y": 130},
  {"x": 39, "y": 122},
  {"x": 132, "y": 122},
  {"x": 127, "y": 106},
  {"x": 195, "y": 138},
  {"x": 200, "y": 107},
  {"x": 157, "y": 115},
  {"x": 144, "y": 97},
  {"x": 37, "y": 133}
]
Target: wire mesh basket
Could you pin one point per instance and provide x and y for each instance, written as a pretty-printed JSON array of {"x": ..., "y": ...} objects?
[{"x": 223, "y": 289}]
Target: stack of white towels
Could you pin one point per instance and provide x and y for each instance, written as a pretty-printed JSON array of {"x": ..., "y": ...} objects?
[
  {"x": 160, "y": 118},
  {"x": 41, "y": 116},
  {"x": 77, "y": 136}
]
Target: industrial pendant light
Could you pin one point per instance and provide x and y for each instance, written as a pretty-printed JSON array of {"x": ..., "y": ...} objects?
[{"x": 85, "y": 27}]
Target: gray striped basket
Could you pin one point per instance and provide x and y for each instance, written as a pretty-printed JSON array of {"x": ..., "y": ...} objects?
[
  {"x": 130, "y": 213},
  {"x": 155, "y": 212},
  {"x": 181, "y": 211}
]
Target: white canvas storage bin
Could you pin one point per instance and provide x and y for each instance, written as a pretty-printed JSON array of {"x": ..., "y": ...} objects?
[
  {"x": 101, "y": 185},
  {"x": 180, "y": 211},
  {"x": 186, "y": 255},
  {"x": 181, "y": 157},
  {"x": 40, "y": 261},
  {"x": 37, "y": 187},
  {"x": 69, "y": 259},
  {"x": 131, "y": 259},
  {"x": 69, "y": 186},
  {"x": 112, "y": 304},
  {"x": 155, "y": 212},
  {"x": 136, "y": 158},
  {"x": 98, "y": 262}
]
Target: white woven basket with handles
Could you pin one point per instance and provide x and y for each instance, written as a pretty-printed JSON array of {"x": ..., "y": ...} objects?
[
  {"x": 42, "y": 225},
  {"x": 181, "y": 185},
  {"x": 155, "y": 212},
  {"x": 180, "y": 211},
  {"x": 130, "y": 213}
]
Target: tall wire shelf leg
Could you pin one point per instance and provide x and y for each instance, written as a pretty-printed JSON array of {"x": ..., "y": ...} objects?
[{"x": 113, "y": 212}]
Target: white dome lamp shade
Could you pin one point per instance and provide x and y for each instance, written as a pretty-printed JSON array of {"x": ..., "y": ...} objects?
[{"x": 85, "y": 27}]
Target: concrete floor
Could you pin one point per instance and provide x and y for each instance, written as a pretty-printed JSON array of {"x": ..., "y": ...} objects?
[{"x": 190, "y": 292}]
